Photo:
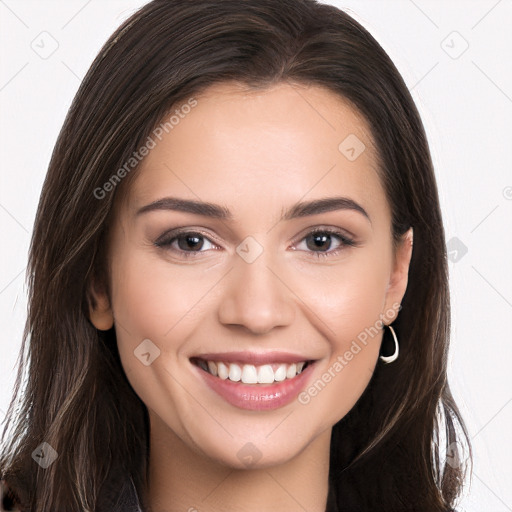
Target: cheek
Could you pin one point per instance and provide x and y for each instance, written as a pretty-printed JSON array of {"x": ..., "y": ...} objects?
[
  {"x": 349, "y": 299},
  {"x": 158, "y": 301},
  {"x": 348, "y": 296},
  {"x": 151, "y": 296},
  {"x": 154, "y": 300}
]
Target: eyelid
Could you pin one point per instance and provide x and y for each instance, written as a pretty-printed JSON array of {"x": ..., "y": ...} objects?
[
  {"x": 326, "y": 228},
  {"x": 174, "y": 233}
]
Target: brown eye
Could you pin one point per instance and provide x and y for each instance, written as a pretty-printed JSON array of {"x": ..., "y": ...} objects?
[
  {"x": 326, "y": 242},
  {"x": 190, "y": 242},
  {"x": 184, "y": 243},
  {"x": 319, "y": 241}
]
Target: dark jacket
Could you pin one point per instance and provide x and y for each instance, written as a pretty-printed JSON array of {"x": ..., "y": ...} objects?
[{"x": 117, "y": 498}]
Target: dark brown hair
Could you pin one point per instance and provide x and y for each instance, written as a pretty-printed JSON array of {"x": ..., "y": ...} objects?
[{"x": 387, "y": 452}]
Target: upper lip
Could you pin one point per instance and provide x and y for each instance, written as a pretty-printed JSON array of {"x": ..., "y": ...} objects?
[{"x": 255, "y": 358}]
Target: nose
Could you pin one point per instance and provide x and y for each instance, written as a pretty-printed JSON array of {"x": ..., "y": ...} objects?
[{"x": 256, "y": 297}]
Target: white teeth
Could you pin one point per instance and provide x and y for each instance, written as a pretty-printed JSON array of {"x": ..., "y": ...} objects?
[
  {"x": 235, "y": 372},
  {"x": 251, "y": 374},
  {"x": 212, "y": 367},
  {"x": 280, "y": 373},
  {"x": 292, "y": 371},
  {"x": 265, "y": 374},
  {"x": 222, "y": 370}
]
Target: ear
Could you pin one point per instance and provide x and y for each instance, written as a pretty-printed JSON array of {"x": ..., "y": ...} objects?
[
  {"x": 399, "y": 274},
  {"x": 100, "y": 311}
]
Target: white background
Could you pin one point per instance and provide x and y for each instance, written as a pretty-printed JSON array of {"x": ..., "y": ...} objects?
[{"x": 465, "y": 102}]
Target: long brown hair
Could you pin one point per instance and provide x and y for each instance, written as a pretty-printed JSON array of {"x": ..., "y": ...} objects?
[{"x": 387, "y": 453}]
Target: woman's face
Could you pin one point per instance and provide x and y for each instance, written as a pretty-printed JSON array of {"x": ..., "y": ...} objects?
[{"x": 279, "y": 279}]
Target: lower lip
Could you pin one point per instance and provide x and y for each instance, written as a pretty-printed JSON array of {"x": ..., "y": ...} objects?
[{"x": 257, "y": 397}]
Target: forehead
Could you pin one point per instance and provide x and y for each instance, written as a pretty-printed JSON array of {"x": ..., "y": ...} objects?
[{"x": 239, "y": 146}]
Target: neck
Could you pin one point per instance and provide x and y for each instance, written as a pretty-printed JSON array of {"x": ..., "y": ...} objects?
[{"x": 183, "y": 480}]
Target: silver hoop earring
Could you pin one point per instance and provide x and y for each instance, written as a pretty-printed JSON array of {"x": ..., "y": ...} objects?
[{"x": 394, "y": 356}]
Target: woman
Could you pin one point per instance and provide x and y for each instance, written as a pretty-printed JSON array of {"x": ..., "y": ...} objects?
[{"x": 226, "y": 310}]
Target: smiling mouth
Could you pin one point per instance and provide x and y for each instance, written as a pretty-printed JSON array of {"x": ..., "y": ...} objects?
[{"x": 250, "y": 373}]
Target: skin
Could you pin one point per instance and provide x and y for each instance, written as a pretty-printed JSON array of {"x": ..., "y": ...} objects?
[{"x": 256, "y": 153}]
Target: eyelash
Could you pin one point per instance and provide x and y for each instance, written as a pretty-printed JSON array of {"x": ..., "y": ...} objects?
[{"x": 166, "y": 241}]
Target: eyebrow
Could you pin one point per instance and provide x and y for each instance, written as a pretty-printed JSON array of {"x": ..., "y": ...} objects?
[{"x": 300, "y": 209}]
